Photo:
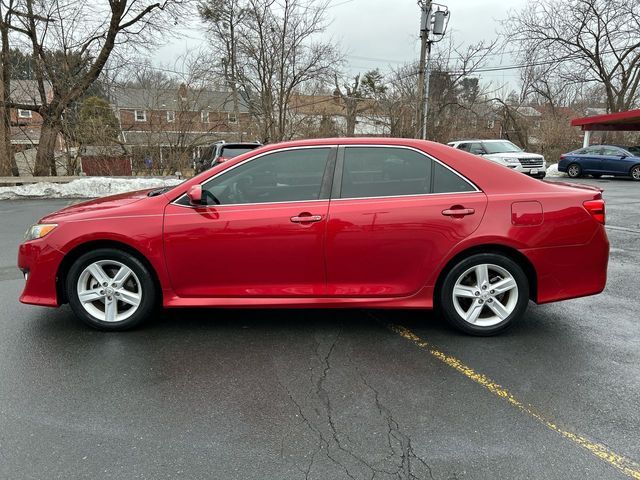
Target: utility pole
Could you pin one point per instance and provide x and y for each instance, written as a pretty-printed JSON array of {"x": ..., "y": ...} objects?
[
  {"x": 433, "y": 24},
  {"x": 425, "y": 7}
]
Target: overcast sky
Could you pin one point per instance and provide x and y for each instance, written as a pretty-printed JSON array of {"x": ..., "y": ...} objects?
[{"x": 384, "y": 33}]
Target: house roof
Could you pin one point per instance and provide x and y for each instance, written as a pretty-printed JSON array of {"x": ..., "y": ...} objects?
[
  {"x": 528, "y": 111},
  {"x": 26, "y": 91},
  {"x": 171, "y": 99},
  {"x": 622, "y": 121},
  {"x": 25, "y": 135},
  {"x": 169, "y": 139}
]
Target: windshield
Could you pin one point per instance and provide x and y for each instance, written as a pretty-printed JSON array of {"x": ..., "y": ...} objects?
[
  {"x": 501, "y": 147},
  {"x": 230, "y": 152}
]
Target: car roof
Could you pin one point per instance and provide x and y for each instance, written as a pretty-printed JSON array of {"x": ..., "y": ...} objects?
[
  {"x": 482, "y": 140},
  {"x": 241, "y": 144}
]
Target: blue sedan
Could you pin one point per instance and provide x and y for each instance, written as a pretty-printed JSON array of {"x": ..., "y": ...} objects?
[{"x": 598, "y": 160}]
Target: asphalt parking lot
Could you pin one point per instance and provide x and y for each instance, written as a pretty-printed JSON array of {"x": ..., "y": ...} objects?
[{"x": 274, "y": 394}]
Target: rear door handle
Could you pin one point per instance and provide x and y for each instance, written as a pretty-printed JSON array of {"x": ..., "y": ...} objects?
[
  {"x": 458, "y": 212},
  {"x": 306, "y": 218}
]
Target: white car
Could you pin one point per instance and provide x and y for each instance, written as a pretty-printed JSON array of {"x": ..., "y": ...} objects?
[{"x": 505, "y": 153}]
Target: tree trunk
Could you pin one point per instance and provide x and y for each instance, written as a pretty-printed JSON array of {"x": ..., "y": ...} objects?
[
  {"x": 45, "y": 158},
  {"x": 7, "y": 159},
  {"x": 352, "y": 114}
]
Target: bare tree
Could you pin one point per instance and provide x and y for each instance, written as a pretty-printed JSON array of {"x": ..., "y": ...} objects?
[
  {"x": 71, "y": 41},
  {"x": 358, "y": 95},
  {"x": 582, "y": 41},
  {"x": 272, "y": 54},
  {"x": 7, "y": 160}
]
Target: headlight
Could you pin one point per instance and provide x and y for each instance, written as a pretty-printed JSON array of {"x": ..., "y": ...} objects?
[
  {"x": 510, "y": 160},
  {"x": 39, "y": 230}
]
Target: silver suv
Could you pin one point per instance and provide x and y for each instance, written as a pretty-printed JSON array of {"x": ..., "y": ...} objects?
[{"x": 505, "y": 153}]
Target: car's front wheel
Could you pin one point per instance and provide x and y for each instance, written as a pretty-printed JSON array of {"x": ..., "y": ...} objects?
[
  {"x": 484, "y": 294},
  {"x": 635, "y": 172},
  {"x": 110, "y": 289},
  {"x": 574, "y": 170}
]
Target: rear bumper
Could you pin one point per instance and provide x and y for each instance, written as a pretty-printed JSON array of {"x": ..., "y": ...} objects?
[
  {"x": 571, "y": 271},
  {"x": 41, "y": 263}
]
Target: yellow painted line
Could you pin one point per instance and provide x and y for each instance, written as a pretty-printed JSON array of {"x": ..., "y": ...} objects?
[{"x": 623, "y": 464}]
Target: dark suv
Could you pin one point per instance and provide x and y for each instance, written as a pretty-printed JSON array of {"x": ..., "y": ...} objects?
[{"x": 220, "y": 152}]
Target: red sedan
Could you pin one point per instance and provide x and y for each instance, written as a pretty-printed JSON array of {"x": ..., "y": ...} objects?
[{"x": 360, "y": 222}]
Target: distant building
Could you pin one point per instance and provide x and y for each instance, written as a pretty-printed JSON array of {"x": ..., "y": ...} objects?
[
  {"x": 26, "y": 124},
  {"x": 173, "y": 125}
]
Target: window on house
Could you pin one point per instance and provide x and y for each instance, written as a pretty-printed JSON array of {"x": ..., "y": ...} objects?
[
  {"x": 171, "y": 116},
  {"x": 232, "y": 117},
  {"x": 25, "y": 113},
  {"x": 141, "y": 115},
  {"x": 204, "y": 117}
]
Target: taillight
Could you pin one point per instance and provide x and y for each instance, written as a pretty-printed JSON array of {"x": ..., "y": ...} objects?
[
  {"x": 596, "y": 209},
  {"x": 562, "y": 157}
]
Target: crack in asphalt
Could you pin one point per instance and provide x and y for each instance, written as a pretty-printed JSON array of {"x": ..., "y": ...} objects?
[{"x": 400, "y": 462}]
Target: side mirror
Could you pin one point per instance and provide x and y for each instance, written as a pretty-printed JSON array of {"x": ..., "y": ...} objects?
[
  {"x": 623, "y": 156},
  {"x": 195, "y": 195}
]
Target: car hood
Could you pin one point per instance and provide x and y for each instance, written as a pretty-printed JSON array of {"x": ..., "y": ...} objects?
[
  {"x": 98, "y": 205},
  {"x": 514, "y": 155}
]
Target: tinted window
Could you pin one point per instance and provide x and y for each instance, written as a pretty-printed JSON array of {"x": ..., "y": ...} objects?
[
  {"x": 446, "y": 181},
  {"x": 590, "y": 151},
  {"x": 384, "y": 171},
  {"x": 286, "y": 176},
  {"x": 464, "y": 146},
  {"x": 230, "y": 152},
  {"x": 612, "y": 151},
  {"x": 476, "y": 148}
]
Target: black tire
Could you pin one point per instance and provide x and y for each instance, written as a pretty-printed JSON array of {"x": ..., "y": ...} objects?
[
  {"x": 574, "y": 170},
  {"x": 446, "y": 300},
  {"x": 635, "y": 172},
  {"x": 147, "y": 288}
]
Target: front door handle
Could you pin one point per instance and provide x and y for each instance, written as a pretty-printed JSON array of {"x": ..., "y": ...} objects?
[
  {"x": 306, "y": 218},
  {"x": 458, "y": 212}
]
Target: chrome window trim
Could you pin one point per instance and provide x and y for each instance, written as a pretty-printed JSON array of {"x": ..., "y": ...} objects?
[
  {"x": 406, "y": 147},
  {"x": 329, "y": 146}
]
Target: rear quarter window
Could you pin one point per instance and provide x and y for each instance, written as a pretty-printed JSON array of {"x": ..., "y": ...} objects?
[{"x": 447, "y": 181}]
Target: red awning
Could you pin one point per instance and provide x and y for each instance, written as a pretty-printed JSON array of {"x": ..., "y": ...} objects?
[{"x": 623, "y": 121}]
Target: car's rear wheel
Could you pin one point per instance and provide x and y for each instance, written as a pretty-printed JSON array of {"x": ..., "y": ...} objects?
[
  {"x": 635, "y": 172},
  {"x": 110, "y": 289},
  {"x": 574, "y": 170},
  {"x": 484, "y": 294}
]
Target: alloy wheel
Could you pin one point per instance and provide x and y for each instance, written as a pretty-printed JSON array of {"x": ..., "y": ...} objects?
[
  {"x": 109, "y": 290},
  {"x": 485, "y": 295},
  {"x": 635, "y": 173},
  {"x": 574, "y": 170}
]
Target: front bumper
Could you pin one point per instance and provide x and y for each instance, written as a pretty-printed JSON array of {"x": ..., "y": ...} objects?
[{"x": 40, "y": 263}]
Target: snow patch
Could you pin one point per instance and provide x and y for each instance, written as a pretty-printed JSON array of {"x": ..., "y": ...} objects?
[
  {"x": 552, "y": 171},
  {"x": 89, "y": 187}
]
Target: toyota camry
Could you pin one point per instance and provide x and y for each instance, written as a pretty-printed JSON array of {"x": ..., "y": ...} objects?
[{"x": 330, "y": 223}]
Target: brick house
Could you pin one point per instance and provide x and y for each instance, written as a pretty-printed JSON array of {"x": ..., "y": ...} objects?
[
  {"x": 165, "y": 128},
  {"x": 26, "y": 124}
]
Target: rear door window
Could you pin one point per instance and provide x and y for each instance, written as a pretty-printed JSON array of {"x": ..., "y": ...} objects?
[
  {"x": 384, "y": 172},
  {"x": 234, "y": 151},
  {"x": 395, "y": 171}
]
